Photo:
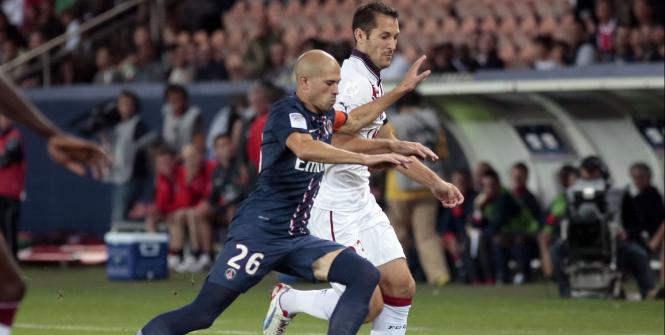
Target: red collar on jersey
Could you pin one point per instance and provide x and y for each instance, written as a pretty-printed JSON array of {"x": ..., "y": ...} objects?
[{"x": 368, "y": 62}]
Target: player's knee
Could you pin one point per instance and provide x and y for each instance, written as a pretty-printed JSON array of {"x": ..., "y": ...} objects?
[
  {"x": 12, "y": 290},
  {"x": 399, "y": 285},
  {"x": 375, "y": 306}
]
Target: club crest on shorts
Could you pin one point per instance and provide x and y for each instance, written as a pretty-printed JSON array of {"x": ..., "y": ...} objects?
[{"x": 230, "y": 274}]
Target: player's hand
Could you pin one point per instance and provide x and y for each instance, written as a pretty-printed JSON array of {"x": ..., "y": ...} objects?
[
  {"x": 448, "y": 194},
  {"x": 407, "y": 148},
  {"x": 412, "y": 78},
  {"x": 392, "y": 160},
  {"x": 78, "y": 155}
]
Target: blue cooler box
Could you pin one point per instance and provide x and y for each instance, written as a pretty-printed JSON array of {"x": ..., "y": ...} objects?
[{"x": 136, "y": 256}]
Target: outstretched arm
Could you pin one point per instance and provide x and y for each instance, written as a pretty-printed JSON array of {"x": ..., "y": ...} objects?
[
  {"x": 362, "y": 116},
  {"x": 308, "y": 149},
  {"x": 445, "y": 192},
  {"x": 73, "y": 153},
  {"x": 382, "y": 146}
]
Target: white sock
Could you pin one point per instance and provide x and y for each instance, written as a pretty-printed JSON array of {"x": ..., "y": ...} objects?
[
  {"x": 391, "y": 321},
  {"x": 4, "y": 330},
  {"x": 317, "y": 303}
]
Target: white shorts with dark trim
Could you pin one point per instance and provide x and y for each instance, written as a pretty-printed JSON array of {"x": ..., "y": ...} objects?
[{"x": 369, "y": 232}]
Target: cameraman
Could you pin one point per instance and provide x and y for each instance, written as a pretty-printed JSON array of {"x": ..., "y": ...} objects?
[
  {"x": 128, "y": 141},
  {"x": 621, "y": 213}
]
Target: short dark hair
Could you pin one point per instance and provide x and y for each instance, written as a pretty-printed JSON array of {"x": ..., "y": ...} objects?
[
  {"x": 641, "y": 166},
  {"x": 179, "y": 89},
  {"x": 219, "y": 137},
  {"x": 133, "y": 97},
  {"x": 492, "y": 174},
  {"x": 592, "y": 164},
  {"x": 565, "y": 172},
  {"x": 521, "y": 166},
  {"x": 365, "y": 16}
]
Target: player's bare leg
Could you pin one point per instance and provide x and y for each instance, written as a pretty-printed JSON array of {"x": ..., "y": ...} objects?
[
  {"x": 398, "y": 288},
  {"x": 12, "y": 288}
]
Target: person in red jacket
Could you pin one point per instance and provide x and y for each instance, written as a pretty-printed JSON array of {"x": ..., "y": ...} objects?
[
  {"x": 165, "y": 201},
  {"x": 73, "y": 153},
  {"x": 192, "y": 189},
  {"x": 12, "y": 180}
]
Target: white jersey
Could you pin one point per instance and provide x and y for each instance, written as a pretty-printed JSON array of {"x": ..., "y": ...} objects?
[{"x": 345, "y": 187}]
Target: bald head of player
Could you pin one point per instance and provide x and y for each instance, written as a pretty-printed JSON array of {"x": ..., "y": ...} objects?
[{"x": 317, "y": 77}]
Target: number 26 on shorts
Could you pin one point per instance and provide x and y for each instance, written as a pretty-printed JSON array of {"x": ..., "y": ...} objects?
[{"x": 253, "y": 263}]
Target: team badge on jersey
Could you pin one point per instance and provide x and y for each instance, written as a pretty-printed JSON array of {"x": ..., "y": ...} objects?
[
  {"x": 230, "y": 274},
  {"x": 351, "y": 89}
]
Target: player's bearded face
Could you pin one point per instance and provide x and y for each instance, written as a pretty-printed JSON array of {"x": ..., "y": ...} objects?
[{"x": 382, "y": 41}]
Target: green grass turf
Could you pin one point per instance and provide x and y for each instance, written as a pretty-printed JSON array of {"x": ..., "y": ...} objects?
[{"x": 82, "y": 301}]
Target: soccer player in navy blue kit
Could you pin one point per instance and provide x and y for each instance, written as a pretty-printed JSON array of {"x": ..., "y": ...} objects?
[{"x": 269, "y": 231}]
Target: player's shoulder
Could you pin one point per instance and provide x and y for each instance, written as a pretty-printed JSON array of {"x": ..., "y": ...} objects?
[{"x": 288, "y": 103}]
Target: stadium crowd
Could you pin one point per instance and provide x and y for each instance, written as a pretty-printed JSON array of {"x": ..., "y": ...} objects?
[
  {"x": 187, "y": 178},
  {"x": 239, "y": 40}
]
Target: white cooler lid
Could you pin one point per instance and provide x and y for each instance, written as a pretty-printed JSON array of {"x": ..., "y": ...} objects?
[{"x": 115, "y": 238}]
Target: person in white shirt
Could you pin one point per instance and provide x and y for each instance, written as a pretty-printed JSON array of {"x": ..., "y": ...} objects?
[{"x": 344, "y": 210}]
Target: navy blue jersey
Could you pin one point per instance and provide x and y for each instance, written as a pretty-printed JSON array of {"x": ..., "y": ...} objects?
[{"x": 287, "y": 185}]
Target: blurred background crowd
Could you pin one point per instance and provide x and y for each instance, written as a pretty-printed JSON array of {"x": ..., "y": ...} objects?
[{"x": 210, "y": 40}]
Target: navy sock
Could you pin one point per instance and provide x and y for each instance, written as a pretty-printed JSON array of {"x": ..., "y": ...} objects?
[
  {"x": 212, "y": 300},
  {"x": 360, "y": 278}
]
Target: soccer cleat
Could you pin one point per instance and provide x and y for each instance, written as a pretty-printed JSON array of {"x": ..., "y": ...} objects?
[
  {"x": 277, "y": 319},
  {"x": 186, "y": 265}
]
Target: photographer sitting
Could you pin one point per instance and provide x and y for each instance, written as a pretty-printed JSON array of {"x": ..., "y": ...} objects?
[
  {"x": 620, "y": 212},
  {"x": 127, "y": 141}
]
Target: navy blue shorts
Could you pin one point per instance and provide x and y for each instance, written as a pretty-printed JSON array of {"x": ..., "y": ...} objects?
[{"x": 245, "y": 260}]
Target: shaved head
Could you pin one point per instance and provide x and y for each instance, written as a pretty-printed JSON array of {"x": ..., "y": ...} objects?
[
  {"x": 314, "y": 62},
  {"x": 317, "y": 78}
]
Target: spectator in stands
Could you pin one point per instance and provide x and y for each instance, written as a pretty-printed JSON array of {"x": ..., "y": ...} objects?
[
  {"x": 623, "y": 52},
  {"x": 453, "y": 222},
  {"x": 232, "y": 180},
  {"x": 648, "y": 204},
  {"x": 280, "y": 71},
  {"x": 643, "y": 13},
  {"x": 193, "y": 185},
  {"x": 49, "y": 24},
  {"x": 657, "y": 44},
  {"x": 506, "y": 224},
  {"x": 620, "y": 208},
  {"x": 128, "y": 141},
  {"x": 556, "y": 212},
  {"x": 411, "y": 207},
  {"x": 208, "y": 68},
  {"x": 543, "y": 53},
  {"x": 260, "y": 97},
  {"x": 488, "y": 55},
  {"x": 464, "y": 61},
  {"x": 227, "y": 122},
  {"x": 107, "y": 73},
  {"x": 183, "y": 123},
  {"x": 142, "y": 64},
  {"x": 181, "y": 72},
  {"x": 480, "y": 170},
  {"x": 8, "y": 31},
  {"x": 12, "y": 179},
  {"x": 256, "y": 60},
  {"x": 69, "y": 19},
  {"x": 441, "y": 58},
  {"x": 164, "y": 195},
  {"x": 605, "y": 30}
]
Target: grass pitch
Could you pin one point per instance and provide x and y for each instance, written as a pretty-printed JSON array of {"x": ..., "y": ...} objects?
[{"x": 81, "y": 301}]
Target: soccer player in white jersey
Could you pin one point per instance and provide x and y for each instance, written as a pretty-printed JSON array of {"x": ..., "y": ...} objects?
[{"x": 345, "y": 211}]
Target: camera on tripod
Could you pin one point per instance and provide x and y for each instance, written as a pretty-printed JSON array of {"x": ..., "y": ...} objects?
[{"x": 101, "y": 116}]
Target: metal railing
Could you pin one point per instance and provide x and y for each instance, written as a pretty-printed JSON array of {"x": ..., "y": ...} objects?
[{"x": 45, "y": 55}]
